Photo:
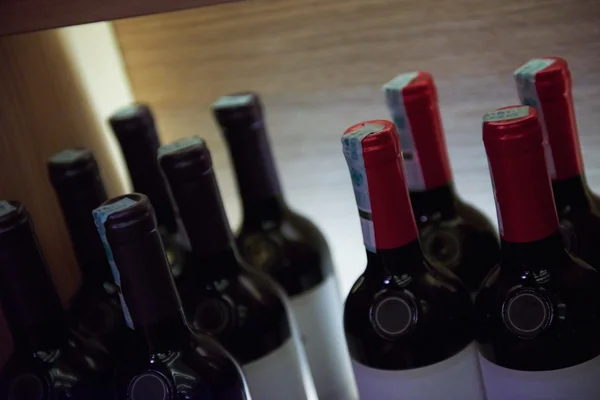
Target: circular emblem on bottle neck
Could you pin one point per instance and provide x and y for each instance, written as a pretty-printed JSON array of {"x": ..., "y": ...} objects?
[{"x": 527, "y": 312}]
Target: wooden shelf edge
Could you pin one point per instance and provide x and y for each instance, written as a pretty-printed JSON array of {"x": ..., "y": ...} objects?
[{"x": 20, "y": 16}]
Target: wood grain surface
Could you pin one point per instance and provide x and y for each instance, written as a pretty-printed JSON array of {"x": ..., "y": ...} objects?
[
  {"x": 47, "y": 103},
  {"x": 18, "y": 16},
  {"x": 319, "y": 66}
]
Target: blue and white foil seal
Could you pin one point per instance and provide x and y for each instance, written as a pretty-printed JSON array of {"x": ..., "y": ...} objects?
[
  {"x": 528, "y": 95},
  {"x": 101, "y": 214}
]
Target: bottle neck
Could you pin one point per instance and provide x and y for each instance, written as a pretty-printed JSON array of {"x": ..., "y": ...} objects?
[
  {"x": 523, "y": 194},
  {"x": 384, "y": 207},
  {"x": 441, "y": 201},
  {"x": 77, "y": 200},
  {"x": 536, "y": 256},
  {"x": 553, "y": 102},
  {"x": 572, "y": 193},
  {"x": 400, "y": 261},
  {"x": 419, "y": 125},
  {"x": 150, "y": 297},
  {"x": 253, "y": 161},
  {"x": 30, "y": 303},
  {"x": 265, "y": 211},
  {"x": 140, "y": 152},
  {"x": 203, "y": 214}
]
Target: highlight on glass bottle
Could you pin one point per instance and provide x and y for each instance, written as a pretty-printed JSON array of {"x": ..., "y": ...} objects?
[{"x": 409, "y": 323}]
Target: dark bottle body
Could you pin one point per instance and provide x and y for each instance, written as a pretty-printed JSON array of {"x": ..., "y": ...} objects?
[
  {"x": 453, "y": 233},
  {"x": 164, "y": 359},
  {"x": 135, "y": 129},
  {"x": 95, "y": 310},
  {"x": 221, "y": 295},
  {"x": 409, "y": 323},
  {"x": 49, "y": 361}
]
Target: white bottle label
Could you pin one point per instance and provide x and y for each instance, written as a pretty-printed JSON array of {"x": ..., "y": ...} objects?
[
  {"x": 276, "y": 376},
  {"x": 525, "y": 79},
  {"x": 319, "y": 315},
  {"x": 410, "y": 154},
  {"x": 455, "y": 378},
  {"x": 581, "y": 382}
]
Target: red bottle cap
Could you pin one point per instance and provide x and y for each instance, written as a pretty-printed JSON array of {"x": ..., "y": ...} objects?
[
  {"x": 545, "y": 84},
  {"x": 522, "y": 189},
  {"x": 412, "y": 101},
  {"x": 373, "y": 155}
]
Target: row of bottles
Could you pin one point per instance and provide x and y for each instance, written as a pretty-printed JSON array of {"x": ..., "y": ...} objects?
[
  {"x": 173, "y": 305},
  {"x": 463, "y": 318},
  {"x": 170, "y": 300}
]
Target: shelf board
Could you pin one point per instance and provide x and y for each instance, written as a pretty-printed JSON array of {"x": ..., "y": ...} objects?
[{"x": 18, "y": 16}]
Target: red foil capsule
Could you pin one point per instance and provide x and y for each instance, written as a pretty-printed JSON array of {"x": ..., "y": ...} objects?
[
  {"x": 372, "y": 152},
  {"x": 413, "y": 104},
  {"x": 545, "y": 84},
  {"x": 513, "y": 142}
]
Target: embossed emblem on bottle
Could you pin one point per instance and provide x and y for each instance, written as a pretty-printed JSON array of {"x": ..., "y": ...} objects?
[
  {"x": 393, "y": 314},
  {"x": 527, "y": 312},
  {"x": 213, "y": 315},
  {"x": 441, "y": 246},
  {"x": 149, "y": 386},
  {"x": 260, "y": 251}
]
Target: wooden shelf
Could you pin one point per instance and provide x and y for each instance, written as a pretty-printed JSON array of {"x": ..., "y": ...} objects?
[{"x": 18, "y": 16}]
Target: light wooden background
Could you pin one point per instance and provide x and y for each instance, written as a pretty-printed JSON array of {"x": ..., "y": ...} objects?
[{"x": 319, "y": 66}]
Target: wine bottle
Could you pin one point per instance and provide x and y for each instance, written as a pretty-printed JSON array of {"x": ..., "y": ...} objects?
[
  {"x": 538, "y": 310},
  {"x": 221, "y": 296},
  {"x": 166, "y": 360},
  {"x": 545, "y": 84},
  {"x": 453, "y": 233},
  {"x": 409, "y": 323},
  {"x": 286, "y": 245},
  {"x": 95, "y": 309},
  {"x": 49, "y": 362},
  {"x": 135, "y": 130}
]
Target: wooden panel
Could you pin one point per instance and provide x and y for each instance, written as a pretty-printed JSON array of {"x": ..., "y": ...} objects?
[
  {"x": 319, "y": 66},
  {"x": 46, "y": 104},
  {"x": 18, "y": 16}
]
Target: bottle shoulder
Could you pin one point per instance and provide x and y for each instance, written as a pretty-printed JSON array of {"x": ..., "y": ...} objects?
[
  {"x": 401, "y": 322},
  {"x": 244, "y": 309},
  {"x": 544, "y": 320},
  {"x": 465, "y": 243},
  {"x": 580, "y": 229},
  {"x": 199, "y": 369},
  {"x": 79, "y": 369},
  {"x": 293, "y": 251}
]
